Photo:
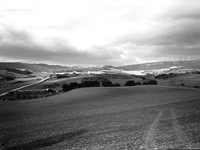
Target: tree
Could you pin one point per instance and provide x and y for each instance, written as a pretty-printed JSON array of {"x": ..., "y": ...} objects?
[
  {"x": 90, "y": 84},
  {"x": 152, "y": 82},
  {"x": 73, "y": 85},
  {"x": 196, "y": 86},
  {"x": 116, "y": 84},
  {"x": 66, "y": 87},
  {"x": 130, "y": 83},
  {"x": 107, "y": 83},
  {"x": 138, "y": 83}
]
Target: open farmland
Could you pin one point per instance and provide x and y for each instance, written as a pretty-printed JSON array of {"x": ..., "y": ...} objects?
[
  {"x": 187, "y": 79},
  {"x": 10, "y": 85},
  {"x": 119, "y": 78},
  {"x": 55, "y": 84},
  {"x": 142, "y": 117}
]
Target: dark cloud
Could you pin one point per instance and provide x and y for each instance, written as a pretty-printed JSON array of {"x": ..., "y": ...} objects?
[
  {"x": 20, "y": 46},
  {"x": 9, "y": 34},
  {"x": 182, "y": 10},
  {"x": 183, "y": 33}
]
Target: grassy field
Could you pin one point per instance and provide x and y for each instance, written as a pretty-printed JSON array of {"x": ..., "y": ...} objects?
[
  {"x": 56, "y": 84},
  {"x": 187, "y": 79},
  {"x": 105, "y": 118},
  {"x": 10, "y": 85}
]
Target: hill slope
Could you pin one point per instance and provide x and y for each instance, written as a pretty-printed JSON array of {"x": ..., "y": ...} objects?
[
  {"x": 31, "y": 67},
  {"x": 106, "y": 118},
  {"x": 193, "y": 64}
]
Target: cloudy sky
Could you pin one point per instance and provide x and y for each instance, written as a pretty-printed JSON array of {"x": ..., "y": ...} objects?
[{"x": 99, "y": 32}]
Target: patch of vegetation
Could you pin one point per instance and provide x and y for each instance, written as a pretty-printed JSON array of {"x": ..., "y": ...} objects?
[
  {"x": 54, "y": 85},
  {"x": 130, "y": 83},
  {"x": 8, "y": 77},
  {"x": 107, "y": 84},
  {"x": 116, "y": 85},
  {"x": 62, "y": 76},
  {"x": 150, "y": 82},
  {"x": 96, "y": 78},
  {"x": 18, "y": 82},
  {"x": 196, "y": 86},
  {"x": 19, "y": 71},
  {"x": 165, "y": 76},
  {"x": 90, "y": 84}
]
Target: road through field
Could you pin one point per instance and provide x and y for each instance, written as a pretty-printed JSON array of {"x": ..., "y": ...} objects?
[
  {"x": 146, "y": 117},
  {"x": 25, "y": 86}
]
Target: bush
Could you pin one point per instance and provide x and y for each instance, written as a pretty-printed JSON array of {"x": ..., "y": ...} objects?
[
  {"x": 116, "y": 84},
  {"x": 138, "y": 83},
  {"x": 150, "y": 82},
  {"x": 196, "y": 86},
  {"x": 50, "y": 91},
  {"x": 73, "y": 85},
  {"x": 107, "y": 83},
  {"x": 90, "y": 84},
  {"x": 66, "y": 87},
  {"x": 130, "y": 83},
  {"x": 8, "y": 77},
  {"x": 62, "y": 76},
  {"x": 145, "y": 83}
]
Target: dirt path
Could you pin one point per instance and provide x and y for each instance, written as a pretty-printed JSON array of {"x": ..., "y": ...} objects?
[{"x": 149, "y": 142}]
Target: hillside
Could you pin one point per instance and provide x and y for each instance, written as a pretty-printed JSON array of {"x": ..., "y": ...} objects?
[
  {"x": 31, "y": 67},
  {"x": 105, "y": 118},
  {"x": 193, "y": 64}
]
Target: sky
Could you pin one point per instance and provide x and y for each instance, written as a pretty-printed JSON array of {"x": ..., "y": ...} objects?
[{"x": 99, "y": 32}]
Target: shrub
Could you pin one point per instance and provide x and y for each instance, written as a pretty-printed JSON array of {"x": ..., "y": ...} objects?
[
  {"x": 62, "y": 76},
  {"x": 145, "y": 83},
  {"x": 152, "y": 82},
  {"x": 66, "y": 87},
  {"x": 90, "y": 84},
  {"x": 196, "y": 86},
  {"x": 138, "y": 83},
  {"x": 73, "y": 85},
  {"x": 116, "y": 84},
  {"x": 107, "y": 83},
  {"x": 130, "y": 83}
]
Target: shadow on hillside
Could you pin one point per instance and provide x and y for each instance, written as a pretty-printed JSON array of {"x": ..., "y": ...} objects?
[{"x": 41, "y": 143}]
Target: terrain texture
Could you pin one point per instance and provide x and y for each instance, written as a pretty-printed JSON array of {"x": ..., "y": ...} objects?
[{"x": 142, "y": 117}]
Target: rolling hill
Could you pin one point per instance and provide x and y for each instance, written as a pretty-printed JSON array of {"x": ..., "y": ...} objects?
[
  {"x": 192, "y": 64},
  {"x": 105, "y": 118},
  {"x": 31, "y": 67}
]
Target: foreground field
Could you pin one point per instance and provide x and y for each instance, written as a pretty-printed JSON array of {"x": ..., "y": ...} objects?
[{"x": 142, "y": 117}]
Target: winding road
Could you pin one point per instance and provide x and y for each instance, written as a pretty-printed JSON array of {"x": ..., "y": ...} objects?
[{"x": 25, "y": 86}]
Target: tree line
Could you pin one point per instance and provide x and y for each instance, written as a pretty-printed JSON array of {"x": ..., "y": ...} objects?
[{"x": 105, "y": 83}]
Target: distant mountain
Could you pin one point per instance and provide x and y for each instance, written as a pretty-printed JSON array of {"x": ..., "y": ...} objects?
[
  {"x": 31, "y": 67},
  {"x": 193, "y": 64}
]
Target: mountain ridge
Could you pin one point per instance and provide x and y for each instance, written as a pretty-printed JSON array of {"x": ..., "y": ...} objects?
[{"x": 41, "y": 67}]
